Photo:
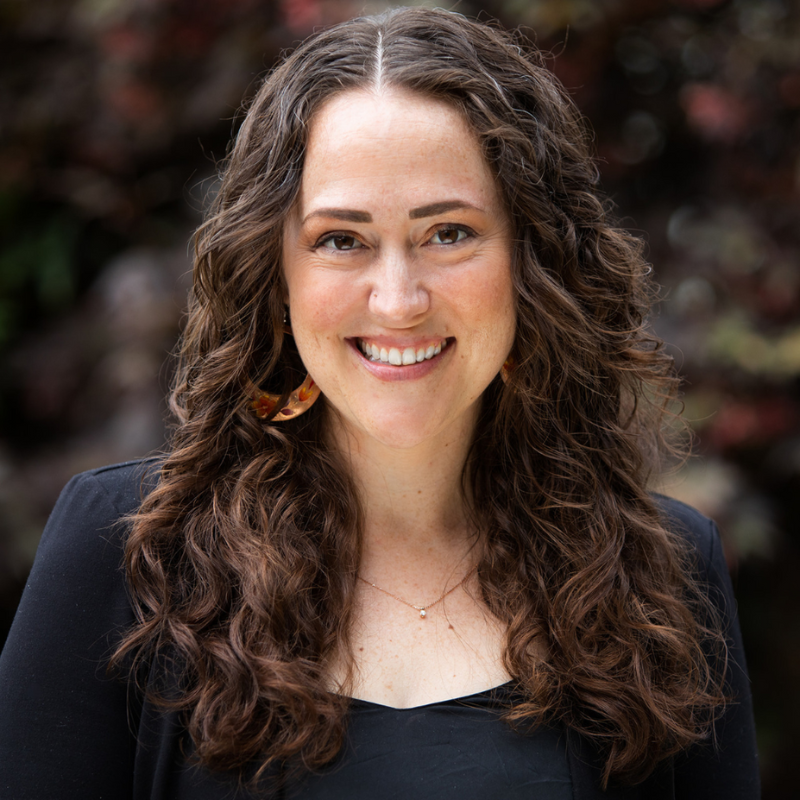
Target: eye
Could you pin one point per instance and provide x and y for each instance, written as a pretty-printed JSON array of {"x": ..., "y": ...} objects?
[
  {"x": 339, "y": 241},
  {"x": 450, "y": 235}
]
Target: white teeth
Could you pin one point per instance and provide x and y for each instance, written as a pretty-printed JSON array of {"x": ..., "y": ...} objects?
[{"x": 397, "y": 357}]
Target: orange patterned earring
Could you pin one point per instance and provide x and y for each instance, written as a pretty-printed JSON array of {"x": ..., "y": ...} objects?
[
  {"x": 508, "y": 367},
  {"x": 299, "y": 401}
]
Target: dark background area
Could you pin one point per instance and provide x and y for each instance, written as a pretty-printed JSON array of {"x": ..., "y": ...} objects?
[{"x": 113, "y": 113}]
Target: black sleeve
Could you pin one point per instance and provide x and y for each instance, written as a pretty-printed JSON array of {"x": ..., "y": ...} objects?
[
  {"x": 64, "y": 724},
  {"x": 728, "y": 767}
]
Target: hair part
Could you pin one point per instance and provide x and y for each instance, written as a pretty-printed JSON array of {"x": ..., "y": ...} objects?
[{"x": 242, "y": 562}]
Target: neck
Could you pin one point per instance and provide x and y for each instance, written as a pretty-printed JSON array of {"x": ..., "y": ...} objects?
[{"x": 415, "y": 512}]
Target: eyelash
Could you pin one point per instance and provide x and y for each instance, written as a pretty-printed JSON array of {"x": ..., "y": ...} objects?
[
  {"x": 328, "y": 237},
  {"x": 468, "y": 233}
]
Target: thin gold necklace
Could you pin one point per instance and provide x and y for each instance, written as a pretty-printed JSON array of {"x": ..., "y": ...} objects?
[{"x": 423, "y": 610}]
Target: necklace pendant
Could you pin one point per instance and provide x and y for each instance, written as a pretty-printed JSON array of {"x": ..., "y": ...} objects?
[{"x": 423, "y": 613}]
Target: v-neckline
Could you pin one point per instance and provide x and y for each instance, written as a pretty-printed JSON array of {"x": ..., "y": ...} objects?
[{"x": 461, "y": 699}]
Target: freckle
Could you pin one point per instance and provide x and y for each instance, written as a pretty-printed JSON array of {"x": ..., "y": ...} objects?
[
  {"x": 450, "y": 626},
  {"x": 420, "y": 491},
  {"x": 360, "y": 649}
]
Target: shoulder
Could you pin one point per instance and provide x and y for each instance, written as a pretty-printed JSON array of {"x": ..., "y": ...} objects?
[
  {"x": 119, "y": 486},
  {"x": 87, "y": 523},
  {"x": 705, "y": 558},
  {"x": 111, "y": 492},
  {"x": 699, "y": 532},
  {"x": 77, "y": 581}
]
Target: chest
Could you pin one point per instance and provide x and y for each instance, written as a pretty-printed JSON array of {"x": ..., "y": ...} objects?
[{"x": 403, "y": 659}]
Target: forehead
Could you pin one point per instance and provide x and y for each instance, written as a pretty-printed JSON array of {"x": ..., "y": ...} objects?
[
  {"x": 348, "y": 110},
  {"x": 371, "y": 139}
]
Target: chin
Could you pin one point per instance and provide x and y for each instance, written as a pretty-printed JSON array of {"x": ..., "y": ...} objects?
[{"x": 407, "y": 428}]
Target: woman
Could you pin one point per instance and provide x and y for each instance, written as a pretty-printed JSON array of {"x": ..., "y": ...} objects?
[{"x": 402, "y": 544}]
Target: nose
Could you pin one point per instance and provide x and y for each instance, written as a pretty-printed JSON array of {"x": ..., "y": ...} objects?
[{"x": 399, "y": 295}]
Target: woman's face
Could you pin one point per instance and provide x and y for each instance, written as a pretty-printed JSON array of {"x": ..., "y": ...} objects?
[{"x": 397, "y": 260}]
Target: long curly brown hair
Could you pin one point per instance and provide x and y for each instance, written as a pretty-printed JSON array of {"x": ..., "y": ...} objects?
[{"x": 243, "y": 560}]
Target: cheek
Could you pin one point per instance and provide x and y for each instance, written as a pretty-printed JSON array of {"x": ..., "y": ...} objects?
[
  {"x": 318, "y": 308},
  {"x": 488, "y": 301}
]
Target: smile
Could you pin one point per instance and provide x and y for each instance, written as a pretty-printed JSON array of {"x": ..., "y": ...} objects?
[{"x": 401, "y": 357}]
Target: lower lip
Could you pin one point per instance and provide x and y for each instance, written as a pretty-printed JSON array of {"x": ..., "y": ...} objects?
[{"x": 388, "y": 372}]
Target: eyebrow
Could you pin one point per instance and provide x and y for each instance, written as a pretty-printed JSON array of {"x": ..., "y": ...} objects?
[
  {"x": 352, "y": 215},
  {"x": 344, "y": 214},
  {"x": 439, "y": 208}
]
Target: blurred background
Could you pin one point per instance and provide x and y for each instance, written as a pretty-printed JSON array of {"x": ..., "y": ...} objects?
[{"x": 114, "y": 112}]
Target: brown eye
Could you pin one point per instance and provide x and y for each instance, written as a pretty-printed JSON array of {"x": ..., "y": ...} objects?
[
  {"x": 341, "y": 241},
  {"x": 448, "y": 236}
]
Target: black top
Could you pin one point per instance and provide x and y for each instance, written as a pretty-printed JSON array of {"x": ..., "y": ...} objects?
[
  {"x": 69, "y": 732},
  {"x": 451, "y": 750}
]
